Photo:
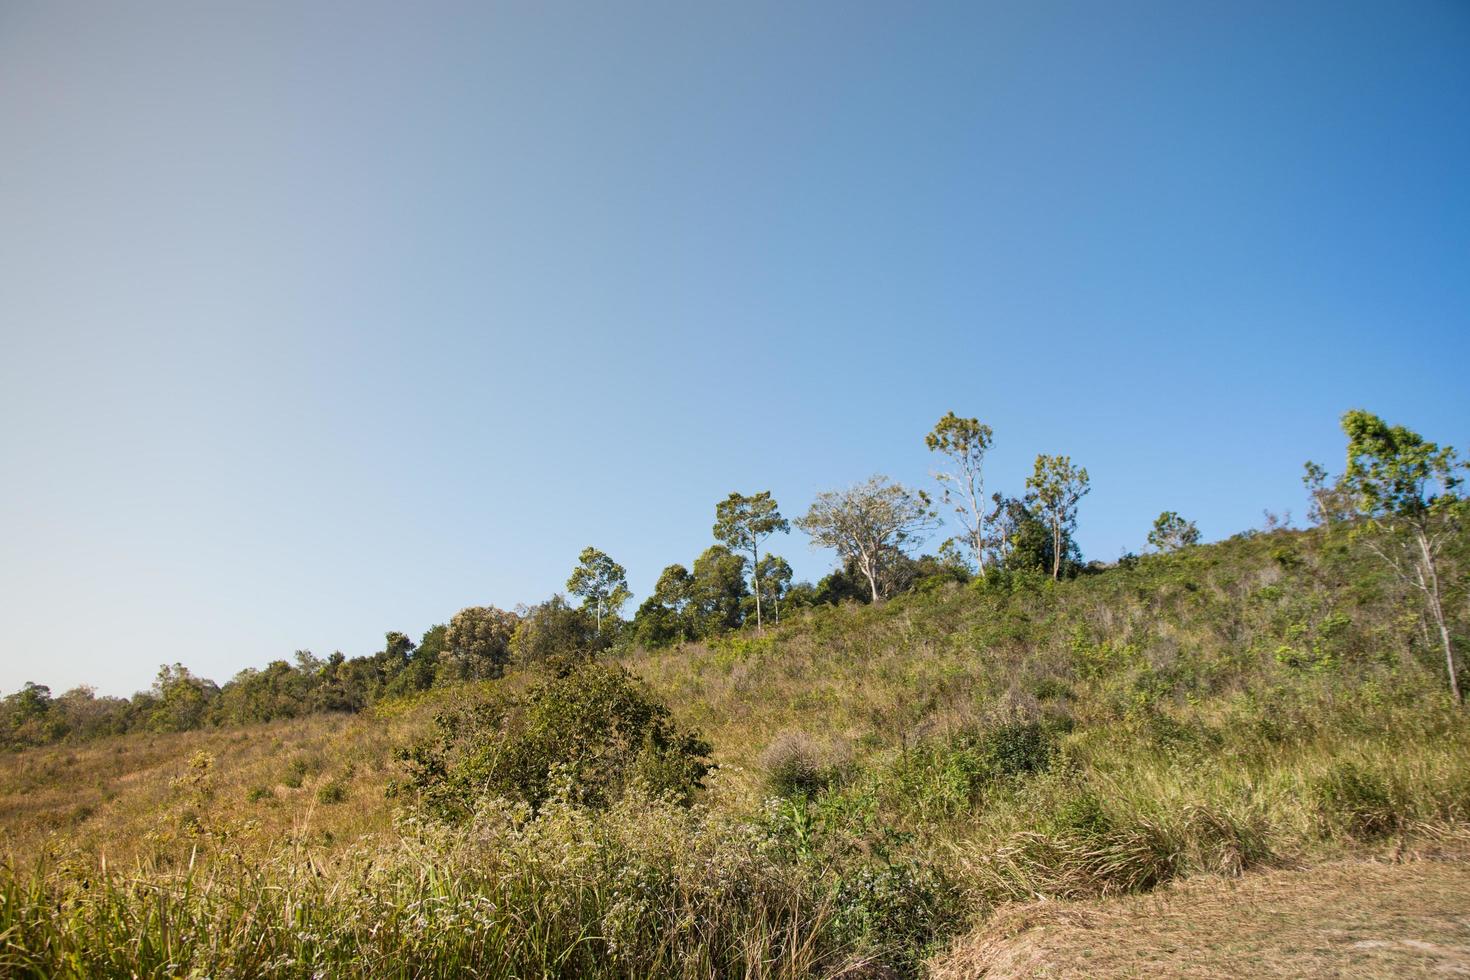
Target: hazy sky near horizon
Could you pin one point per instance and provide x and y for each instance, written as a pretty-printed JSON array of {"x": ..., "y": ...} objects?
[{"x": 319, "y": 320}]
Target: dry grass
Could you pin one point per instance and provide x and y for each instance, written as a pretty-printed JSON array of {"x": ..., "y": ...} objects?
[
  {"x": 1348, "y": 918},
  {"x": 122, "y": 796}
]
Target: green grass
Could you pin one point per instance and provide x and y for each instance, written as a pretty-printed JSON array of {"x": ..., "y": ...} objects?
[{"x": 889, "y": 776}]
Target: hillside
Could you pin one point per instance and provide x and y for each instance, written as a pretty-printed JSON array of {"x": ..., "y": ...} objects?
[{"x": 888, "y": 777}]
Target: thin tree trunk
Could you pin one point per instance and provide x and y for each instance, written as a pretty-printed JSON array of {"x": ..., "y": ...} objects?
[
  {"x": 977, "y": 542},
  {"x": 755, "y": 560},
  {"x": 1429, "y": 577}
]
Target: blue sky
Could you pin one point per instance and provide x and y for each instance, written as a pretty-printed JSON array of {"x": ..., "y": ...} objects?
[{"x": 322, "y": 320}]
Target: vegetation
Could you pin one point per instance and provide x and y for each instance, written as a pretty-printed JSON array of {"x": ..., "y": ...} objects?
[
  {"x": 1172, "y": 532},
  {"x": 870, "y": 525},
  {"x": 965, "y": 442},
  {"x": 742, "y": 523},
  {"x": 842, "y": 795}
]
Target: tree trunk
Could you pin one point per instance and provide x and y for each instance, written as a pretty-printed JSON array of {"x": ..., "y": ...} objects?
[
  {"x": 1056, "y": 552},
  {"x": 755, "y": 560},
  {"x": 1429, "y": 578},
  {"x": 977, "y": 539}
]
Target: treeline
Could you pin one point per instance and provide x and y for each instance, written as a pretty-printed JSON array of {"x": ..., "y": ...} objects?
[{"x": 1398, "y": 492}]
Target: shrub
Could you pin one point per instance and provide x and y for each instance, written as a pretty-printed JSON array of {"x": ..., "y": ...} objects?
[
  {"x": 794, "y": 765},
  {"x": 334, "y": 790},
  {"x": 1018, "y": 748},
  {"x": 586, "y": 736}
]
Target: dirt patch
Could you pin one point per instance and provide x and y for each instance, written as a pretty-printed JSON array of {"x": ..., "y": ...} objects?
[{"x": 1352, "y": 918}]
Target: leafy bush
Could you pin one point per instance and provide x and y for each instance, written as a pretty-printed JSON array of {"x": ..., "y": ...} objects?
[
  {"x": 1018, "y": 748},
  {"x": 587, "y": 736}
]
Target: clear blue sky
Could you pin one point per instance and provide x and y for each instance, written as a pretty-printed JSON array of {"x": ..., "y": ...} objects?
[{"x": 321, "y": 320}]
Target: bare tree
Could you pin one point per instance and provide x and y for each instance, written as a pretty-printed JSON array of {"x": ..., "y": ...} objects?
[{"x": 869, "y": 524}]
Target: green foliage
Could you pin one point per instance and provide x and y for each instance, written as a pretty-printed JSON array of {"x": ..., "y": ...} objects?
[
  {"x": 1407, "y": 488},
  {"x": 1393, "y": 471},
  {"x": 704, "y": 603},
  {"x": 742, "y": 523},
  {"x": 601, "y": 584},
  {"x": 478, "y": 642},
  {"x": 586, "y": 737},
  {"x": 1172, "y": 532},
  {"x": 180, "y": 700},
  {"x": 965, "y": 442},
  {"x": 1055, "y": 488},
  {"x": 554, "y": 633},
  {"x": 1015, "y": 739},
  {"x": 868, "y": 525}
]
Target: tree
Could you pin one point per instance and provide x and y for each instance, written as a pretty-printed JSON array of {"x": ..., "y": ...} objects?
[
  {"x": 556, "y": 633},
  {"x": 1172, "y": 532},
  {"x": 180, "y": 699},
  {"x": 1005, "y": 521},
  {"x": 1056, "y": 487},
  {"x": 965, "y": 441},
  {"x": 717, "y": 591},
  {"x": 600, "y": 582},
  {"x": 1331, "y": 503},
  {"x": 772, "y": 580},
  {"x": 1407, "y": 489},
  {"x": 478, "y": 641},
  {"x": 869, "y": 523},
  {"x": 742, "y": 523}
]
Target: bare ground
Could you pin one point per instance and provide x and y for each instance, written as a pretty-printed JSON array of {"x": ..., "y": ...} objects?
[{"x": 1349, "y": 918}]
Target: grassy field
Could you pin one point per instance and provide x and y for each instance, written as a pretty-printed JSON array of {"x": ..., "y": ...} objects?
[{"x": 890, "y": 779}]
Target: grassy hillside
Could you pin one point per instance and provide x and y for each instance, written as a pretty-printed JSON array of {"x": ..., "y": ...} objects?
[{"x": 888, "y": 777}]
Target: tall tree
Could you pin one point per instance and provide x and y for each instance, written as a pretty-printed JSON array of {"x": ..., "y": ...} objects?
[
  {"x": 1056, "y": 487},
  {"x": 1172, "y": 532},
  {"x": 1407, "y": 489},
  {"x": 773, "y": 580},
  {"x": 965, "y": 442},
  {"x": 742, "y": 523},
  {"x": 869, "y": 523},
  {"x": 600, "y": 582}
]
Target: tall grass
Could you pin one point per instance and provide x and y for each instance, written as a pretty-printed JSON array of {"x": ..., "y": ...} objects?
[{"x": 890, "y": 775}]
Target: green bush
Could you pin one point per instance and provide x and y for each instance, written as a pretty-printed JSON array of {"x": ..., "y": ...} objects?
[
  {"x": 586, "y": 737},
  {"x": 1017, "y": 749}
]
